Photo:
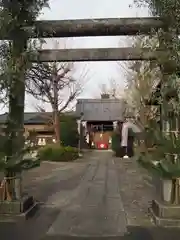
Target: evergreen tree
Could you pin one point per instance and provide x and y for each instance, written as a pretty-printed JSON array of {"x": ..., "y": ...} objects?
[{"x": 15, "y": 18}]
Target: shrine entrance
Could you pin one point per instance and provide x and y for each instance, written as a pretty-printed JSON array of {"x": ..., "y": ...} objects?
[{"x": 100, "y": 133}]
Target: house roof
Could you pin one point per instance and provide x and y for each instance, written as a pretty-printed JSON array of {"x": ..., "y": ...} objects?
[
  {"x": 101, "y": 109},
  {"x": 33, "y": 117}
]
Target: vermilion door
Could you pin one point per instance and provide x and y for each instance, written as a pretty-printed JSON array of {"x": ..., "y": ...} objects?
[{"x": 101, "y": 140}]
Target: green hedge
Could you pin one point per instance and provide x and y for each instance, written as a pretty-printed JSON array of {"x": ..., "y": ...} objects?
[
  {"x": 58, "y": 153},
  {"x": 69, "y": 131}
]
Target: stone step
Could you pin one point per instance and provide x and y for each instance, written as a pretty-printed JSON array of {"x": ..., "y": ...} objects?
[{"x": 164, "y": 222}]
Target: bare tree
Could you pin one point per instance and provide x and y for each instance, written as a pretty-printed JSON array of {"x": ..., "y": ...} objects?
[
  {"x": 141, "y": 78},
  {"x": 55, "y": 83}
]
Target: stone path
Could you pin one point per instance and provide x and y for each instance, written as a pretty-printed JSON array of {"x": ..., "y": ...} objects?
[
  {"x": 96, "y": 197},
  {"x": 98, "y": 208}
]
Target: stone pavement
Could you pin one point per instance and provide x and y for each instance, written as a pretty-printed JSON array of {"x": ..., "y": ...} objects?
[
  {"x": 96, "y": 197},
  {"x": 98, "y": 208}
]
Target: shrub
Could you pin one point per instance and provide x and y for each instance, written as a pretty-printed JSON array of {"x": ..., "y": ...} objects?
[
  {"x": 69, "y": 131},
  {"x": 57, "y": 153}
]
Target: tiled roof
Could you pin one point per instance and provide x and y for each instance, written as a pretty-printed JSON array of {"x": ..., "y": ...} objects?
[
  {"x": 101, "y": 109},
  {"x": 32, "y": 117}
]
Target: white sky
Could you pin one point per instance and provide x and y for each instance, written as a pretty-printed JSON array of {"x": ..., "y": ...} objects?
[{"x": 101, "y": 72}]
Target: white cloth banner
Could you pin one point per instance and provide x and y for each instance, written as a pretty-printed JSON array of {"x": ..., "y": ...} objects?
[{"x": 125, "y": 128}]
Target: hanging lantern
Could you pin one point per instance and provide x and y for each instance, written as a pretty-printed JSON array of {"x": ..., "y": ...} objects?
[{"x": 115, "y": 124}]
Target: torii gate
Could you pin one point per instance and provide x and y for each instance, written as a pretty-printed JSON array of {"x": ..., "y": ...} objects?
[{"x": 98, "y": 27}]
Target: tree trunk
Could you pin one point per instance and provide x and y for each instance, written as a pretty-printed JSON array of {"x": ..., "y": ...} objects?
[
  {"x": 57, "y": 126},
  {"x": 55, "y": 111}
]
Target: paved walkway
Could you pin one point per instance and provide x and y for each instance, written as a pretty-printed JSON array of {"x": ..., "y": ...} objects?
[
  {"x": 96, "y": 197},
  {"x": 97, "y": 210}
]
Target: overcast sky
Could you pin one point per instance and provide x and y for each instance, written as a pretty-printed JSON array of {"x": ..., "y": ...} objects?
[{"x": 100, "y": 72}]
